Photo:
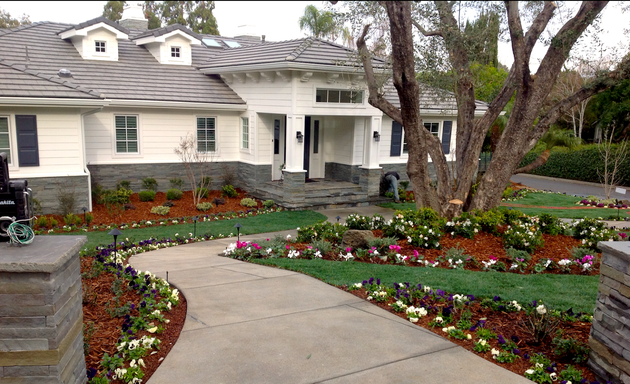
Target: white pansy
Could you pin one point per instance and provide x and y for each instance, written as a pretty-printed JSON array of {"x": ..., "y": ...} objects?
[{"x": 541, "y": 309}]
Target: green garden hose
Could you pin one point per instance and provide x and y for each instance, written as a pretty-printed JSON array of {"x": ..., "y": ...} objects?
[{"x": 19, "y": 233}]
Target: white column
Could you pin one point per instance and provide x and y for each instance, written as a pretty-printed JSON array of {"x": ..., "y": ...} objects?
[
  {"x": 295, "y": 149},
  {"x": 370, "y": 145}
]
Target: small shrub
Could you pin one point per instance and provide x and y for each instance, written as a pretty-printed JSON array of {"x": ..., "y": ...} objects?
[
  {"x": 321, "y": 245},
  {"x": 205, "y": 182},
  {"x": 268, "y": 204},
  {"x": 204, "y": 206},
  {"x": 550, "y": 224},
  {"x": 176, "y": 183},
  {"x": 146, "y": 195},
  {"x": 168, "y": 203},
  {"x": 150, "y": 184},
  {"x": 126, "y": 184},
  {"x": 119, "y": 196},
  {"x": 72, "y": 219},
  {"x": 490, "y": 220},
  {"x": 512, "y": 216},
  {"x": 591, "y": 231},
  {"x": 43, "y": 222},
  {"x": 218, "y": 201},
  {"x": 579, "y": 253},
  {"x": 381, "y": 244},
  {"x": 523, "y": 234},
  {"x": 354, "y": 221},
  {"x": 37, "y": 207},
  {"x": 174, "y": 194},
  {"x": 517, "y": 254},
  {"x": 570, "y": 349},
  {"x": 247, "y": 202},
  {"x": 88, "y": 218},
  {"x": 202, "y": 192},
  {"x": 404, "y": 185},
  {"x": 465, "y": 226},
  {"x": 507, "y": 193},
  {"x": 228, "y": 174},
  {"x": 160, "y": 210},
  {"x": 229, "y": 191},
  {"x": 457, "y": 258},
  {"x": 98, "y": 192},
  {"x": 53, "y": 223},
  {"x": 66, "y": 198}
]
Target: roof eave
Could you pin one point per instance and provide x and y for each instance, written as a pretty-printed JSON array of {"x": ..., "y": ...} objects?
[
  {"x": 284, "y": 65},
  {"x": 49, "y": 101},
  {"x": 177, "y": 105}
]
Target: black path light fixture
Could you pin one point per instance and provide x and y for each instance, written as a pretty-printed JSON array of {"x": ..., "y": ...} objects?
[
  {"x": 618, "y": 206},
  {"x": 195, "y": 227},
  {"x": 115, "y": 232},
  {"x": 238, "y": 227},
  {"x": 338, "y": 218},
  {"x": 84, "y": 210}
]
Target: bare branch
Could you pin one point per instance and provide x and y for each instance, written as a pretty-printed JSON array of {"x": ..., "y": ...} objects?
[
  {"x": 538, "y": 26},
  {"x": 516, "y": 33},
  {"x": 425, "y": 32},
  {"x": 375, "y": 98}
]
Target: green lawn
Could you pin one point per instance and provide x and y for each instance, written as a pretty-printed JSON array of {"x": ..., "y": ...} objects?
[
  {"x": 558, "y": 291},
  {"x": 271, "y": 222},
  {"x": 572, "y": 213},
  {"x": 548, "y": 200}
]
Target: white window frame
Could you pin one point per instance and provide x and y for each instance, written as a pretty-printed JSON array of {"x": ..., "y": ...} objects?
[
  {"x": 216, "y": 130},
  {"x": 321, "y": 104},
  {"x": 245, "y": 134},
  {"x": 104, "y": 47},
  {"x": 10, "y": 138},
  {"x": 178, "y": 52},
  {"x": 115, "y": 139},
  {"x": 404, "y": 151}
]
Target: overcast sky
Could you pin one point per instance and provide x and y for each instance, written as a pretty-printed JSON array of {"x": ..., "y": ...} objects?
[{"x": 276, "y": 20}]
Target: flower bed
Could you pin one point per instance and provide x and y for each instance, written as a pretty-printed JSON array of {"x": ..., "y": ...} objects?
[
  {"x": 493, "y": 241},
  {"x": 543, "y": 344}
]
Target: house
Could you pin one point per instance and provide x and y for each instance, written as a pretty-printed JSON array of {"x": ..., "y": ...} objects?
[{"x": 101, "y": 102}]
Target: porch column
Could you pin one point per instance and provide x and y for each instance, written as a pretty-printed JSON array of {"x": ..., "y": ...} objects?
[
  {"x": 370, "y": 177},
  {"x": 294, "y": 173}
]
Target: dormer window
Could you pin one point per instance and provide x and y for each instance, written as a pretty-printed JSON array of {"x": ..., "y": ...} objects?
[
  {"x": 100, "y": 46},
  {"x": 176, "y": 52}
]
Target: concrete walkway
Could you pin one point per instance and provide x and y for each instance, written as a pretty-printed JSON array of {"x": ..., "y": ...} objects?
[{"x": 252, "y": 324}]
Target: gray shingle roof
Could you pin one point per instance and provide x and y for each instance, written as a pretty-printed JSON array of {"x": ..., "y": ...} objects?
[
  {"x": 168, "y": 29},
  {"x": 97, "y": 20},
  {"x": 137, "y": 75},
  {"x": 430, "y": 98},
  {"x": 306, "y": 51}
]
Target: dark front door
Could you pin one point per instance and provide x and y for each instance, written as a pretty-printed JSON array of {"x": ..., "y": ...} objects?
[{"x": 307, "y": 144}]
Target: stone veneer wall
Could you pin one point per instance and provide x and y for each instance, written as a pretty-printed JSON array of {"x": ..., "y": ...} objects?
[
  {"x": 610, "y": 333},
  {"x": 250, "y": 176},
  {"x": 342, "y": 172},
  {"x": 46, "y": 191},
  {"x": 41, "y": 313}
]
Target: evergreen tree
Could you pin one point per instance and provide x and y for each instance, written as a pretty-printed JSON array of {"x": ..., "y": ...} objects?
[
  {"x": 200, "y": 18},
  {"x": 113, "y": 10},
  {"x": 6, "y": 21}
]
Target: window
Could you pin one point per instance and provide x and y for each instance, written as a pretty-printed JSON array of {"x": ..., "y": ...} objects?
[
  {"x": 126, "y": 134},
  {"x": 99, "y": 46},
  {"x": 434, "y": 128},
  {"x": 338, "y": 96},
  {"x": 232, "y": 44},
  {"x": 5, "y": 140},
  {"x": 206, "y": 134},
  {"x": 175, "y": 52},
  {"x": 316, "y": 136},
  {"x": 245, "y": 132},
  {"x": 276, "y": 137}
]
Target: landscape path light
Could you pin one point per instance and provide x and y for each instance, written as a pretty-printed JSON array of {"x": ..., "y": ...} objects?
[
  {"x": 115, "y": 232},
  {"x": 238, "y": 227},
  {"x": 84, "y": 210},
  {"x": 195, "y": 228}
]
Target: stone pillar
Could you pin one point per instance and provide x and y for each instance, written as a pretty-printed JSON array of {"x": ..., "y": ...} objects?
[
  {"x": 41, "y": 314},
  {"x": 293, "y": 188},
  {"x": 370, "y": 180},
  {"x": 610, "y": 334}
]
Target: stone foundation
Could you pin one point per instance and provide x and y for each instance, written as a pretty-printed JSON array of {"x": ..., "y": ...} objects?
[
  {"x": 370, "y": 181},
  {"x": 610, "y": 333},
  {"x": 46, "y": 191},
  {"x": 41, "y": 314},
  {"x": 250, "y": 176},
  {"x": 342, "y": 172},
  {"x": 293, "y": 187}
]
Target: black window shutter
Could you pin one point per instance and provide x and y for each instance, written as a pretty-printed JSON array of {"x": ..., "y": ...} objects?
[
  {"x": 28, "y": 149},
  {"x": 446, "y": 136},
  {"x": 396, "y": 139}
]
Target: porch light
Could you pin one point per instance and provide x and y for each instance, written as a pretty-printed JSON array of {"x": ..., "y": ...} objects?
[
  {"x": 299, "y": 136},
  {"x": 377, "y": 136}
]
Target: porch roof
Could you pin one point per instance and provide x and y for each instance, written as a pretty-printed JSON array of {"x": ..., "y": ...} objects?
[{"x": 431, "y": 99}]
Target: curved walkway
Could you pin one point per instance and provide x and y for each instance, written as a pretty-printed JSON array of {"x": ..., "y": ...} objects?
[{"x": 253, "y": 324}]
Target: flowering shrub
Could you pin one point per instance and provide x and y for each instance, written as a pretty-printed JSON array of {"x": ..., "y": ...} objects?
[
  {"x": 465, "y": 226},
  {"x": 490, "y": 220},
  {"x": 399, "y": 226},
  {"x": 493, "y": 264},
  {"x": 456, "y": 258},
  {"x": 244, "y": 250},
  {"x": 321, "y": 231},
  {"x": 591, "y": 231},
  {"x": 525, "y": 235},
  {"x": 160, "y": 210},
  {"x": 543, "y": 265},
  {"x": 425, "y": 237},
  {"x": 551, "y": 225}
]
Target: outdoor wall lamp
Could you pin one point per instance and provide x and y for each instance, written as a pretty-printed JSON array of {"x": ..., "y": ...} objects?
[
  {"x": 377, "y": 136},
  {"x": 299, "y": 136}
]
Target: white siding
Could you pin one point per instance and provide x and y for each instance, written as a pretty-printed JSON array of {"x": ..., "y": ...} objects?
[
  {"x": 160, "y": 131},
  {"x": 359, "y": 134},
  {"x": 265, "y": 96},
  {"x": 339, "y": 140},
  {"x": 59, "y": 142}
]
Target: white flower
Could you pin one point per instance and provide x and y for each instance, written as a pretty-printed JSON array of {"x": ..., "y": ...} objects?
[
  {"x": 151, "y": 330},
  {"x": 358, "y": 285},
  {"x": 288, "y": 237},
  {"x": 482, "y": 342},
  {"x": 413, "y": 319},
  {"x": 469, "y": 337},
  {"x": 438, "y": 319},
  {"x": 495, "y": 353},
  {"x": 529, "y": 372},
  {"x": 554, "y": 376},
  {"x": 541, "y": 309}
]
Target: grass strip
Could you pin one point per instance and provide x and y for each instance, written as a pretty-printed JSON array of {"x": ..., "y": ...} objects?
[
  {"x": 558, "y": 291},
  {"x": 572, "y": 213},
  {"x": 270, "y": 222}
]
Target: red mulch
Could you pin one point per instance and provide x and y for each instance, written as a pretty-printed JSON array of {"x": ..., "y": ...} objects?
[{"x": 97, "y": 298}]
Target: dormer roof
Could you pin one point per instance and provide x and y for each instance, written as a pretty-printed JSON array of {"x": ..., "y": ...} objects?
[
  {"x": 99, "y": 22},
  {"x": 159, "y": 35}
]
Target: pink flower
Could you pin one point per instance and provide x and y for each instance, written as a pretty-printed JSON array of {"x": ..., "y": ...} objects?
[
  {"x": 288, "y": 246},
  {"x": 493, "y": 258},
  {"x": 267, "y": 239},
  {"x": 623, "y": 235},
  {"x": 415, "y": 253},
  {"x": 349, "y": 249}
]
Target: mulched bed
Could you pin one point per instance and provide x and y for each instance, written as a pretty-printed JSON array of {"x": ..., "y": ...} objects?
[
  {"x": 506, "y": 324},
  {"x": 98, "y": 297}
]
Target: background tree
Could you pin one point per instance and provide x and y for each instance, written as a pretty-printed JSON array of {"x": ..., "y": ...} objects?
[
  {"x": 6, "y": 21},
  {"x": 113, "y": 10},
  {"x": 436, "y": 22},
  {"x": 200, "y": 18},
  {"x": 318, "y": 23},
  {"x": 612, "y": 108},
  {"x": 484, "y": 44}
]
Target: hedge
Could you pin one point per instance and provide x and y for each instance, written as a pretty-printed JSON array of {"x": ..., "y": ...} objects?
[{"x": 580, "y": 164}]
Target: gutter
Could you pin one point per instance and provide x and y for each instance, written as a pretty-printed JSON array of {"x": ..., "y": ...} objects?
[
  {"x": 176, "y": 105},
  {"x": 85, "y": 168},
  {"x": 283, "y": 65},
  {"x": 58, "y": 102}
]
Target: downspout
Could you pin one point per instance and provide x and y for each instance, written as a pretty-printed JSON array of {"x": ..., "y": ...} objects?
[{"x": 85, "y": 168}]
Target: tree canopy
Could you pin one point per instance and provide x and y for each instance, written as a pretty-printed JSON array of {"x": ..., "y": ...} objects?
[
  {"x": 6, "y": 21},
  {"x": 428, "y": 37},
  {"x": 318, "y": 23},
  {"x": 196, "y": 15}
]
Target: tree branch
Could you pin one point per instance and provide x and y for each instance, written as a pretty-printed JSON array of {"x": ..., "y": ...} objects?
[
  {"x": 425, "y": 32},
  {"x": 516, "y": 33},
  {"x": 375, "y": 98},
  {"x": 538, "y": 26}
]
